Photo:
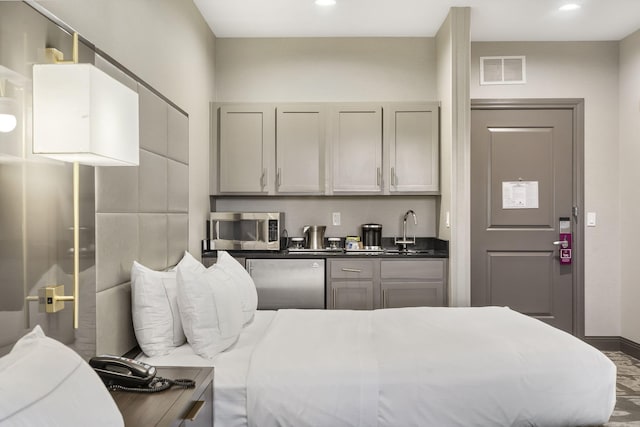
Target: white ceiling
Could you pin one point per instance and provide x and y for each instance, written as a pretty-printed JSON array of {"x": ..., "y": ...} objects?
[{"x": 491, "y": 20}]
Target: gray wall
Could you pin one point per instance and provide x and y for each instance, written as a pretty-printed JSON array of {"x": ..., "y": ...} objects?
[
  {"x": 629, "y": 154},
  {"x": 586, "y": 70},
  {"x": 330, "y": 70},
  {"x": 36, "y": 199},
  {"x": 167, "y": 44},
  {"x": 354, "y": 211}
]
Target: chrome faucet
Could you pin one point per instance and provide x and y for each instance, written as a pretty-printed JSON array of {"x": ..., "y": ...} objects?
[{"x": 404, "y": 242}]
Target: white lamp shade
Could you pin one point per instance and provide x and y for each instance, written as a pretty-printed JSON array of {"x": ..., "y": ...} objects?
[
  {"x": 82, "y": 114},
  {"x": 7, "y": 114}
]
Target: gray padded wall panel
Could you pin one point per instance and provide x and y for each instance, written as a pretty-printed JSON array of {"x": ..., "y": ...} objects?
[
  {"x": 153, "y": 122},
  {"x": 153, "y": 241},
  {"x": 178, "y": 136},
  {"x": 177, "y": 187},
  {"x": 177, "y": 237},
  {"x": 114, "y": 327},
  {"x": 152, "y": 182},
  {"x": 117, "y": 189},
  {"x": 116, "y": 248},
  {"x": 115, "y": 72},
  {"x": 141, "y": 215}
]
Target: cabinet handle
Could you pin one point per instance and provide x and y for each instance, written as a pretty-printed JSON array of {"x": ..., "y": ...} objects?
[
  {"x": 333, "y": 301},
  {"x": 393, "y": 176},
  {"x": 195, "y": 410},
  {"x": 264, "y": 173},
  {"x": 378, "y": 176},
  {"x": 385, "y": 303},
  {"x": 351, "y": 270},
  {"x": 278, "y": 177}
]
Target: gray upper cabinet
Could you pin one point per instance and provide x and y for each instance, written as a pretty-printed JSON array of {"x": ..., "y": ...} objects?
[
  {"x": 247, "y": 136},
  {"x": 357, "y": 148},
  {"x": 327, "y": 149},
  {"x": 300, "y": 149},
  {"x": 412, "y": 148}
]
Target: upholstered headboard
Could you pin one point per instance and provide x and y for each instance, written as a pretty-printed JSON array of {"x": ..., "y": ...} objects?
[{"x": 141, "y": 213}]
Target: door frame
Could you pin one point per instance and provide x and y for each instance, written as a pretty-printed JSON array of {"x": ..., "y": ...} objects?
[{"x": 576, "y": 105}]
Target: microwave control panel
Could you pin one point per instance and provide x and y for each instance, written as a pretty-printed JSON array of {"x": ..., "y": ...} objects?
[{"x": 273, "y": 230}]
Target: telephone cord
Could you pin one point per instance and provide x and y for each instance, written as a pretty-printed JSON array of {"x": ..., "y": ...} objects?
[{"x": 156, "y": 385}]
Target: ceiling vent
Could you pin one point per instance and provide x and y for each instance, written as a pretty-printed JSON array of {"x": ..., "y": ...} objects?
[{"x": 502, "y": 70}]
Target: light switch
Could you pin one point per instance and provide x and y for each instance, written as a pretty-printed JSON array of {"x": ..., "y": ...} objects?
[
  {"x": 336, "y": 218},
  {"x": 591, "y": 219}
]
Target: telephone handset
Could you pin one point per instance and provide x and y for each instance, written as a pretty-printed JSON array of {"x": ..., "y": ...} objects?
[{"x": 121, "y": 373}]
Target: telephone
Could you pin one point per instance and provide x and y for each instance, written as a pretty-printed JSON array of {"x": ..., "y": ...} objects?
[{"x": 121, "y": 373}]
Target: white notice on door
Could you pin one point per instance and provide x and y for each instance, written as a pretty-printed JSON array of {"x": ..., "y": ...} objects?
[{"x": 519, "y": 194}]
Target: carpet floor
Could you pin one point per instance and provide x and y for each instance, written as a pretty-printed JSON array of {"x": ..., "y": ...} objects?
[{"x": 627, "y": 410}]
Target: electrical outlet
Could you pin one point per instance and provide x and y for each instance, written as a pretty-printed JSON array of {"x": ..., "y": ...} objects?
[{"x": 335, "y": 218}]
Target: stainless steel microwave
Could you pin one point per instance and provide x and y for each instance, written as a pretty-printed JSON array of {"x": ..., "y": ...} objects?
[{"x": 244, "y": 231}]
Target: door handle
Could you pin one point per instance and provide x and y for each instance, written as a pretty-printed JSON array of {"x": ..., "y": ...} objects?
[{"x": 562, "y": 243}]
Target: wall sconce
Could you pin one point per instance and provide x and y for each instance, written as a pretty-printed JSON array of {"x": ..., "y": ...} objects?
[
  {"x": 84, "y": 116},
  {"x": 8, "y": 109}
]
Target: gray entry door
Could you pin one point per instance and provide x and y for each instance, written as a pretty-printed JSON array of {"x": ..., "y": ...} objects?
[{"x": 522, "y": 183}]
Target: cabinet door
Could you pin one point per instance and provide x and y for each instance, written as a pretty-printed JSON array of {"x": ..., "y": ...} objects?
[
  {"x": 351, "y": 295},
  {"x": 357, "y": 148},
  {"x": 246, "y": 135},
  {"x": 300, "y": 149},
  {"x": 412, "y": 294},
  {"x": 412, "y": 135}
]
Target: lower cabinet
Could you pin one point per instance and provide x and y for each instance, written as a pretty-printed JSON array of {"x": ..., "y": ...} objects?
[
  {"x": 412, "y": 283},
  {"x": 365, "y": 284},
  {"x": 351, "y": 284}
]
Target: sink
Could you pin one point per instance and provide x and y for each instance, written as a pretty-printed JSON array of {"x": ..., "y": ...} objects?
[{"x": 408, "y": 251}]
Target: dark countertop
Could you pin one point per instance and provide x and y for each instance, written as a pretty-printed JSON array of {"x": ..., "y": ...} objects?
[{"x": 425, "y": 247}]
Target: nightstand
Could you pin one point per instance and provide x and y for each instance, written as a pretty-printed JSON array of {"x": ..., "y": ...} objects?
[{"x": 176, "y": 407}]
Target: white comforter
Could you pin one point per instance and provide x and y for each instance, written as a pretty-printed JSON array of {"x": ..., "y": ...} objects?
[{"x": 485, "y": 366}]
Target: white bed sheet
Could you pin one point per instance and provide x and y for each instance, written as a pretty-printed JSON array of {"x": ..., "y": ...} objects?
[
  {"x": 231, "y": 367},
  {"x": 486, "y": 366},
  {"x": 413, "y": 366}
]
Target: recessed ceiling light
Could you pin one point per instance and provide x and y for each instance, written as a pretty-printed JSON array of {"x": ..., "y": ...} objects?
[
  {"x": 570, "y": 6},
  {"x": 325, "y": 2}
]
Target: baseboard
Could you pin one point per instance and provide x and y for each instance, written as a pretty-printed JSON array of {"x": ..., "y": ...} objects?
[
  {"x": 615, "y": 344},
  {"x": 604, "y": 343},
  {"x": 629, "y": 347}
]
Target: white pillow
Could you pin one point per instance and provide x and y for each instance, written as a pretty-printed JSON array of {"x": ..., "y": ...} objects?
[
  {"x": 154, "y": 305},
  {"x": 210, "y": 308},
  {"x": 242, "y": 279},
  {"x": 43, "y": 382}
]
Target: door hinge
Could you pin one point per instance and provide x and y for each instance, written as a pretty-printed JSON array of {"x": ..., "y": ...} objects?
[{"x": 575, "y": 211}]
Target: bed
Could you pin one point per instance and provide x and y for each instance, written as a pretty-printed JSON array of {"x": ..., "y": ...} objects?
[{"x": 411, "y": 367}]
